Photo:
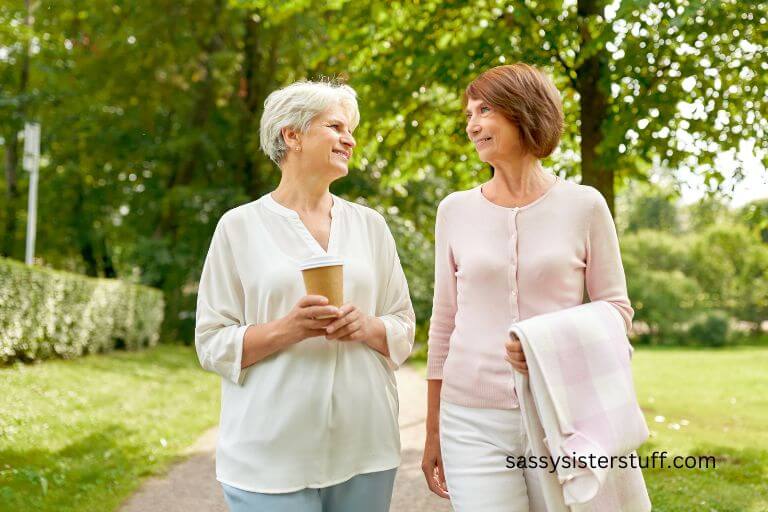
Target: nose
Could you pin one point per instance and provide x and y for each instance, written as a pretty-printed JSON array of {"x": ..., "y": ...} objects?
[
  {"x": 348, "y": 140},
  {"x": 473, "y": 128}
]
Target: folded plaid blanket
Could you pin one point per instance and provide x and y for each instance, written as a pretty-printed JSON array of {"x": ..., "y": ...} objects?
[{"x": 578, "y": 399}]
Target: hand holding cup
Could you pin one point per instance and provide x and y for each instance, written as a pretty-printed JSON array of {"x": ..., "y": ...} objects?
[
  {"x": 309, "y": 318},
  {"x": 352, "y": 325}
]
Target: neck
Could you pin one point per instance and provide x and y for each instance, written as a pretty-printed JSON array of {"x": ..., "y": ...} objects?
[
  {"x": 520, "y": 177},
  {"x": 302, "y": 191}
]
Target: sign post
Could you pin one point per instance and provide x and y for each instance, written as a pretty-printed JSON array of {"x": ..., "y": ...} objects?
[{"x": 32, "y": 165}]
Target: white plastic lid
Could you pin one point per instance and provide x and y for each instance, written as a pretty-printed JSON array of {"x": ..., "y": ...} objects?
[{"x": 322, "y": 260}]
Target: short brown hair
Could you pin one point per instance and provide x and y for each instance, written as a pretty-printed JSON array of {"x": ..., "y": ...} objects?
[{"x": 527, "y": 97}]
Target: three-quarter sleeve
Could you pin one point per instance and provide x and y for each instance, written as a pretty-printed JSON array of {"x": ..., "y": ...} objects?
[
  {"x": 605, "y": 278},
  {"x": 394, "y": 306},
  {"x": 220, "y": 317},
  {"x": 444, "y": 307}
]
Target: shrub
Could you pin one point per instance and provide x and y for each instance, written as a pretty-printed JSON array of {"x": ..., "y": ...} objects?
[
  {"x": 664, "y": 301},
  {"x": 46, "y": 313},
  {"x": 711, "y": 329}
]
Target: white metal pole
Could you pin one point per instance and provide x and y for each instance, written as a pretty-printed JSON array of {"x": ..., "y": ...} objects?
[{"x": 32, "y": 164}]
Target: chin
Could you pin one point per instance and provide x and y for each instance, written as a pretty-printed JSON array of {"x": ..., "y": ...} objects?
[
  {"x": 340, "y": 172},
  {"x": 484, "y": 157}
]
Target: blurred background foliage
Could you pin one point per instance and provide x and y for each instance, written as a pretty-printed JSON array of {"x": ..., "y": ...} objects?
[{"x": 150, "y": 111}]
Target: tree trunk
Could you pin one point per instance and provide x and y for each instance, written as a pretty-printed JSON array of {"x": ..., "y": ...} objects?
[
  {"x": 12, "y": 153},
  {"x": 261, "y": 51},
  {"x": 11, "y": 194},
  {"x": 593, "y": 102},
  {"x": 250, "y": 94}
]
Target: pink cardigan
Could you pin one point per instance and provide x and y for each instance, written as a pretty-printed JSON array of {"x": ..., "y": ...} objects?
[{"x": 495, "y": 266}]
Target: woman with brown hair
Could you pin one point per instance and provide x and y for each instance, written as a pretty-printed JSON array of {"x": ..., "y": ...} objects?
[{"x": 522, "y": 244}]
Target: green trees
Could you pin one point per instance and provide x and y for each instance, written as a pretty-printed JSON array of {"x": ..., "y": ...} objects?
[
  {"x": 149, "y": 110},
  {"x": 721, "y": 271}
]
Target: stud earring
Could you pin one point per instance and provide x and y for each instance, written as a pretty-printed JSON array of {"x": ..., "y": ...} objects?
[{"x": 298, "y": 148}]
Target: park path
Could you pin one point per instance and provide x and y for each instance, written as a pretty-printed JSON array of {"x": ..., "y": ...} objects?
[{"x": 191, "y": 486}]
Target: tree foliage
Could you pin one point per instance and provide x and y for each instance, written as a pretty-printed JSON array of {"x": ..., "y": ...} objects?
[{"x": 150, "y": 109}]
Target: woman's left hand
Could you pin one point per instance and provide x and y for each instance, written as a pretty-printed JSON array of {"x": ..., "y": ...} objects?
[
  {"x": 352, "y": 325},
  {"x": 515, "y": 355}
]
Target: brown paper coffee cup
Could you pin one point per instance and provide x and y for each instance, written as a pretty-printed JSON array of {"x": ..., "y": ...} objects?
[{"x": 324, "y": 275}]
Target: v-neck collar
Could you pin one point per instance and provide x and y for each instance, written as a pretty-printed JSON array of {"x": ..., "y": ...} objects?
[{"x": 293, "y": 215}]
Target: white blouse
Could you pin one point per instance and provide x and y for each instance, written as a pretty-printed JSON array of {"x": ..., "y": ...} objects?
[{"x": 321, "y": 411}]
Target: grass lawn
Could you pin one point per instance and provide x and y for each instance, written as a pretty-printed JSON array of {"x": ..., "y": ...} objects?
[
  {"x": 705, "y": 402},
  {"x": 79, "y": 435}
]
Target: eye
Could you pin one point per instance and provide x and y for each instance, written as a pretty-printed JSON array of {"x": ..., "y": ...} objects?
[
  {"x": 335, "y": 126},
  {"x": 485, "y": 109}
]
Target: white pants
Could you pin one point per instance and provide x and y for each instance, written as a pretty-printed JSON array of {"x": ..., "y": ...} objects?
[{"x": 475, "y": 444}]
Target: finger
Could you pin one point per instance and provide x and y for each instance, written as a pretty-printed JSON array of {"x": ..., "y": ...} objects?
[
  {"x": 320, "y": 325},
  {"x": 355, "y": 336},
  {"x": 514, "y": 346},
  {"x": 441, "y": 478},
  {"x": 521, "y": 367},
  {"x": 429, "y": 476},
  {"x": 346, "y": 331},
  {"x": 321, "y": 311},
  {"x": 439, "y": 485},
  {"x": 312, "y": 300},
  {"x": 348, "y": 318}
]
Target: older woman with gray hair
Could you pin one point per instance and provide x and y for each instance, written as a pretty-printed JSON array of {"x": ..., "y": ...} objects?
[{"x": 309, "y": 399}]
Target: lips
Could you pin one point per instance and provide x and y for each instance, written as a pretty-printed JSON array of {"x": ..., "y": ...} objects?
[
  {"x": 344, "y": 154},
  {"x": 481, "y": 142}
]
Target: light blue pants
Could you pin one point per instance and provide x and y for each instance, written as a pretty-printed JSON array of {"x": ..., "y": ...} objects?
[{"x": 369, "y": 492}]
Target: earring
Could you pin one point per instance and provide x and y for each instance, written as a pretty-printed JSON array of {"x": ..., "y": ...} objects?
[{"x": 298, "y": 148}]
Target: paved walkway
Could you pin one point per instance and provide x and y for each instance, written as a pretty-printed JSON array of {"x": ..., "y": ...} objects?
[{"x": 191, "y": 486}]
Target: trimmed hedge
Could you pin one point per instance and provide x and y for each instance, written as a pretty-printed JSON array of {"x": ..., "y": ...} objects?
[{"x": 46, "y": 313}]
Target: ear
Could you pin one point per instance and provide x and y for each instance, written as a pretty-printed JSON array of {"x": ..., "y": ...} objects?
[{"x": 292, "y": 137}]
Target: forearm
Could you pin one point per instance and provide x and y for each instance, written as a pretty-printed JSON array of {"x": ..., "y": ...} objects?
[
  {"x": 433, "y": 406},
  {"x": 262, "y": 340},
  {"x": 377, "y": 338}
]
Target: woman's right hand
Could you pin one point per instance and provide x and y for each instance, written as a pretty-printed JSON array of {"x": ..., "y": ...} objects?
[
  {"x": 432, "y": 466},
  {"x": 301, "y": 322}
]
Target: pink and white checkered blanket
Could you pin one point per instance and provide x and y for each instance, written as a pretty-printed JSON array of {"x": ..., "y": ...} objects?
[{"x": 579, "y": 400}]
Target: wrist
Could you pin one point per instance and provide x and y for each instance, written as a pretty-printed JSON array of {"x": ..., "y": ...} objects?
[
  {"x": 380, "y": 330},
  {"x": 376, "y": 334},
  {"x": 280, "y": 334}
]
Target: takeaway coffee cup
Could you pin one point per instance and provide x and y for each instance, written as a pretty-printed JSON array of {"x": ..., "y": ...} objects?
[{"x": 324, "y": 275}]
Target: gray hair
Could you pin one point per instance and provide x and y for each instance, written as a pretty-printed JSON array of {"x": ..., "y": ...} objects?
[{"x": 295, "y": 106}]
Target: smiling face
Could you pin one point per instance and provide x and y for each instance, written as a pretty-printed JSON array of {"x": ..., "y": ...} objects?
[
  {"x": 494, "y": 136},
  {"x": 327, "y": 144}
]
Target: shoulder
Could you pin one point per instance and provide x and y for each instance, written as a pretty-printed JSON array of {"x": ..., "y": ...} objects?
[
  {"x": 363, "y": 214},
  {"x": 239, "y": 217},
  {"x": 455, "y": 201},
  {"x": 585, "y": 199}
]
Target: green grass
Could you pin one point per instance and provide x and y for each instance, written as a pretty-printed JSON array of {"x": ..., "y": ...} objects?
[
  {"x": 723, "y": 397},
  {"x": 81, "y": 434},
  {"x": 713, "y": 402}
]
